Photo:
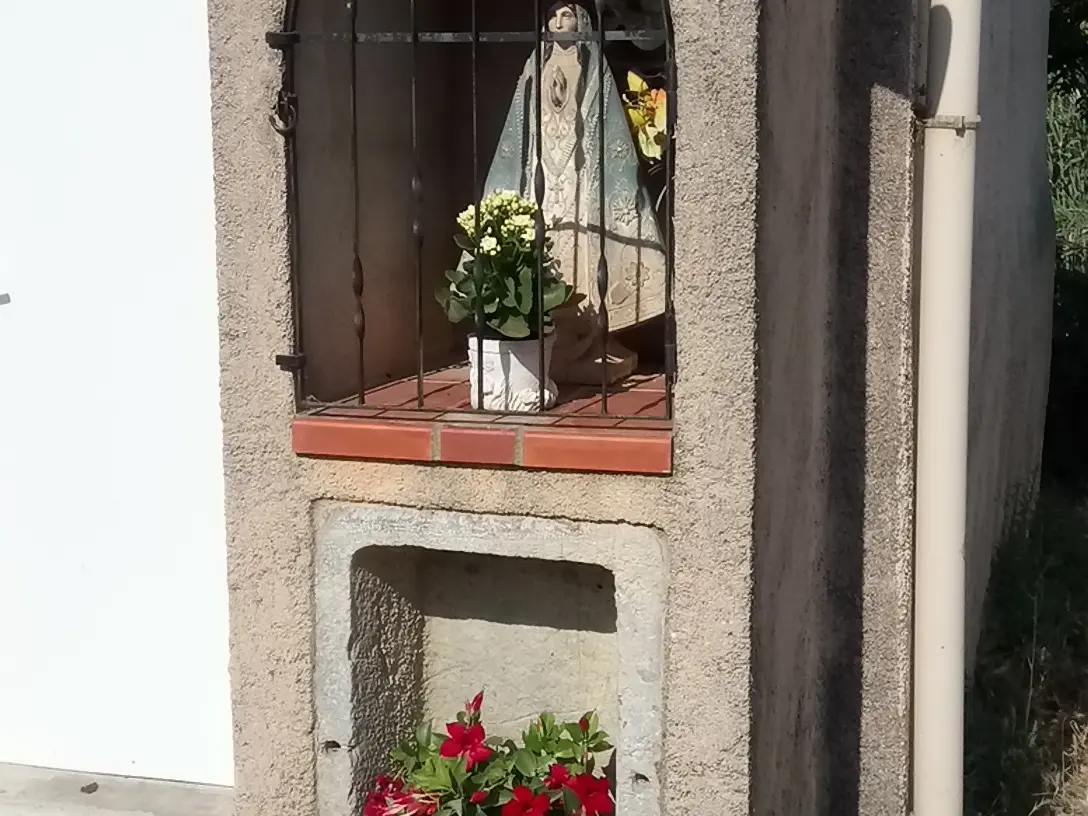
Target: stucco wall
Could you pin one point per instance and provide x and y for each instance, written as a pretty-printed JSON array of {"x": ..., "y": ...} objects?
[
  {"x": 834, "y": 484},
  {"x": 788, "y": 548},
  {"x": 705, "y": 510},
  {"x": 1012, "y": 289}
]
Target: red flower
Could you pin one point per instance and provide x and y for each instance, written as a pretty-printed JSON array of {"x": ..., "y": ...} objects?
[
  {"x": 414, "y": 803},
  {"x": 377, "y": 801},
  {"x": 467, "y": 743},
  {"x": 584, "y": 725},
  {"x": 473, "y": 708},
  {"x": 593, "y": 793},
  {"x": 478, "y": 798},
  {"x": 557, "y": 777},
  {"x": 524, "y": 804}
]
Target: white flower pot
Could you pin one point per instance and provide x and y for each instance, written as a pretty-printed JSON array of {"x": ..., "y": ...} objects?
[{"x": 511, "y": 375}]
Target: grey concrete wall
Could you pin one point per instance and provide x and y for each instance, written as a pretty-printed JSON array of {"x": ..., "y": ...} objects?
[
  {"x": 704, "y": 511},
  {"x": 834, "y": 483},
  {"x": 1012, "y": 291}
]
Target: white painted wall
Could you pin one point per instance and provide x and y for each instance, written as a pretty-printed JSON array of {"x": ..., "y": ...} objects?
[{"x": 113, "y": 602}]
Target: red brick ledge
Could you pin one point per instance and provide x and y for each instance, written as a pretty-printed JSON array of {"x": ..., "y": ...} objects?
[{"x": 631, "y": 446}]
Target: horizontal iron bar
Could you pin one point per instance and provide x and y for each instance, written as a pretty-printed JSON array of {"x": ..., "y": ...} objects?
[
  {"x": 290, "y": 362},
  {"x": 347, "y": 409},
  {"x": 285, "y": 39}
]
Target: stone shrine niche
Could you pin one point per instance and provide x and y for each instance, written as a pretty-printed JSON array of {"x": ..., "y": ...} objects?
[
  {"x": 395, "y": 306},
  {"x": 417, "y": 610}
]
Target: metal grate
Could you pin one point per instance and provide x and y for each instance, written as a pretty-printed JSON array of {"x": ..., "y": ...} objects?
[{"x": 285, "y": 118}]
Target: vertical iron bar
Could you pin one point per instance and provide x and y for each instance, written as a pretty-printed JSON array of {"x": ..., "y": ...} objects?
[
  {"x": 477, "y": 186},
  {"x": 602, "y": 262},
  {"x": 285, "y": 123},
  {"x": 356, "y": 262},
  {"x": 417, "y": 203},
  {"x": 670, "y": 247},
  {"x": 538, "y": 194}
]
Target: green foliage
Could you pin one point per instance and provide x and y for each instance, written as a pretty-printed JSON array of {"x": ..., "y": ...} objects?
[
  {"x": 1029, "y": 699},
  {"x": 499, "y": 274},
  {"x": 1065, "y": 454},
  {"x": 1067, "y": 63},
  {"x": 468, "y": 774}
]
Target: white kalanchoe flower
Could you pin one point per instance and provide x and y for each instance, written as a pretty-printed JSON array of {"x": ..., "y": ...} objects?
[
  {"x": 467, "y": 220},
  {"x": 489, "y": 245}
]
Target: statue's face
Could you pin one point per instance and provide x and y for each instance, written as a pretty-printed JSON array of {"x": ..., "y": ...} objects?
[{"x": 563, "y": 21}]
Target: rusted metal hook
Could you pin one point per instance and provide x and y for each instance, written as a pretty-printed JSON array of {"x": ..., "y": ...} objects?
[{"x": 284, "y": 116}]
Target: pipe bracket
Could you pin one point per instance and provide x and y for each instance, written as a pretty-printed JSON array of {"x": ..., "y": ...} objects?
[{"x": 960, "y": 124}]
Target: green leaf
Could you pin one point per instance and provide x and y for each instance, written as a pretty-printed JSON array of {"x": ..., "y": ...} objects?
[
  {"x": 442, "y": 773},
  {"x": 466, "y": 286},
  {"x": 525, "y": 763},
  {"x": 496, "y": 772},
  {"x": 457, "y": 309},
  {"x": 511, "y": 293},
  {"x": 459, "y": 773},
  {"x": 571, "y": 803},
  {"x": 513, "y": 326},
  {"x": 423, "y": 735},
  {"x": 600, "y": 745},
  {"x": 555, "y": 295},
  {"x": 425, "y": 779},
  {"x": 464, "y": 242},
  {"x": 505, "y": 796},
  {"x": 567, "y": 749},
  {"x": 492, "y": 307},
  {"x": 548, "y": 721},
  {"x": 533, "y": 742},
  {"x": 594, "y": 723},
  {"x": 525, "y": 290},
  {"x": 457, "y": 806}
]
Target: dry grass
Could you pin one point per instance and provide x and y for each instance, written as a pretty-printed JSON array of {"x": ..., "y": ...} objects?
[
  {"x": 1067, "y": 785},
  {"x": 1027, "y": 716}
]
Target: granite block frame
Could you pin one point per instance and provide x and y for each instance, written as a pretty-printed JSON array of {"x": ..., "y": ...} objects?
[{"x": 634, "y": 555}]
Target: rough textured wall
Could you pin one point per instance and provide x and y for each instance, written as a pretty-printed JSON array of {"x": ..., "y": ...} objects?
[
  {"x": 834, "y": 484},
  {"x": 704, "y": 510},
  {"x": 1012, "y": 290}
]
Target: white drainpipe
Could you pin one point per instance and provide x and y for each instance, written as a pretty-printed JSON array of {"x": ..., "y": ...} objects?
[{"x": 947, "y": 224}]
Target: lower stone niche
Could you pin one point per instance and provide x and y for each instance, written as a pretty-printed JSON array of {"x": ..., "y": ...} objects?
[
  {"x": 416, "y": 610},
  {"x": 535, "y": 635}
]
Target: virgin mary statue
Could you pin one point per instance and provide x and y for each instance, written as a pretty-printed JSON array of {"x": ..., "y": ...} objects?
[{"x": 570, "y": 126}]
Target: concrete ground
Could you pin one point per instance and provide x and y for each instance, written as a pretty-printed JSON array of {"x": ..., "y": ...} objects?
[{"x": 26, "y": 791}]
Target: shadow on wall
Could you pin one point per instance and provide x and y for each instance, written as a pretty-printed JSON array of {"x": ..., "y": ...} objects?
[{"x": 832, "y": 75}]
